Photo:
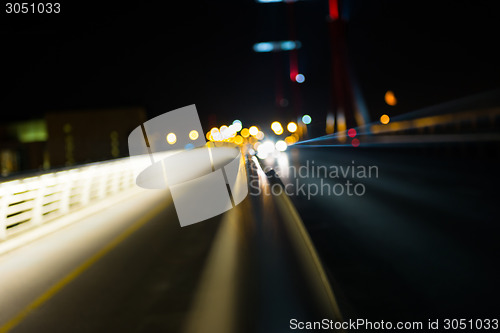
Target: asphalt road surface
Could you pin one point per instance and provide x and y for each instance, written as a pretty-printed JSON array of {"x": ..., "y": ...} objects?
[
  {"x": 421, "y": 242},
  {"x": 132, "y": 268}
]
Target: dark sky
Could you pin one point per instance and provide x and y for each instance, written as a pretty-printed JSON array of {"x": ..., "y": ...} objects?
[{"x": 167, "y": 56}]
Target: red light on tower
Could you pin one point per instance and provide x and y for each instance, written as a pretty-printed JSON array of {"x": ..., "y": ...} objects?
[
  {"x": 333, "y": 8},
  {"x": 294, "y": 67},
  {"x": 351, "y": 132}
]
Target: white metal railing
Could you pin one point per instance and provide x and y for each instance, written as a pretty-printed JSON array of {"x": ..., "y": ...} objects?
[{"x": 29, "y": 202}]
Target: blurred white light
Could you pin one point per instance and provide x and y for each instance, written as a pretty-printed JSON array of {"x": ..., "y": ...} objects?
[
  {"x": 231, "y": 131},
  {"x": 291, "y": 127},
  {"x": 264, "y": 149},
  {"x": 193, "y": 135},
  {"x": 300, "y": 78},
  {"x": 217, "y": 136},
  {"x": 253, "y": 130},
  {"x": 276, "y": 126},
  {"x": 284, "y": 165},
  {"x": 281, "y": 145},
  {"x": 262, "y": 155},
  {"x": 238, "y": 125},
  {"x": 171, "y": 138}
]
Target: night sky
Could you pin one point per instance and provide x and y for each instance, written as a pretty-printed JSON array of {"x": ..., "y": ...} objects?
[{"x": 163, "y": 57}]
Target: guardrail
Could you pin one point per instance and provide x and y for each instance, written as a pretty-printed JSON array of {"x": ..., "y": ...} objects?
[{"x": 30, "y": 202}]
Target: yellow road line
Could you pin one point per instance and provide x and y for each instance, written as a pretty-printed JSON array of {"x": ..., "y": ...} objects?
[{"x": 80, "y": 269}]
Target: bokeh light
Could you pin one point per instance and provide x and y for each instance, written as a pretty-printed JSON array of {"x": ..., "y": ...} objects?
[
  {"x": 291, "y": 127},
  {"x": 239, "y": 140},
  {"x": 276, "y": 126},
  {"x": 384, "y": 119},
  {"x": 264, "y": 149},
  {"x": 281, "y": 145},
  {"x": 171, "y": 138},
  {"x": 290, "y": 140},
  {"x": 237, "y": 125},
  {"x": 245, "y": 133},
  {"x": 300, "y": 78},
  {"x": 306, "y": 119},
  {"x": 390, "y": 99},
  {"x": 193, "y": 135},
  {"x": 253, "y": 130}
]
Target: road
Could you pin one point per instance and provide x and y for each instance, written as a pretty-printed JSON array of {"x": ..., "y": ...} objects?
[
  {"x": 420, "y": 243},
  {"x": 132, "y": 268}
]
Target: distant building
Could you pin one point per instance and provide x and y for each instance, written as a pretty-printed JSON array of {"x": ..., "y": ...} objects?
[
  {"x": 67, "y": 138},
  {"x": 23, "y": 146}
]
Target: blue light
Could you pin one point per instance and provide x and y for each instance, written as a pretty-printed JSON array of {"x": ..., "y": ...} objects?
[
  {"x": 189, "y": 146},
  {"x": 300, "y": 78},
  {"x": 306, "y": 119},
  {"x": 287, "y": 45},
  {"x": 263, "y": 47}
]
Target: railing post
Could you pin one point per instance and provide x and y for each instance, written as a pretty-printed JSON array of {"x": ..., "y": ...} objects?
[
  {"x": 55, "y": 189},
  {"x": 37, "y": 208},
  {"x": 87, "y": 182},
  {"x": 4, "y": 203},
  {"x": 103, "y": 179},
  {"x": 116, "y": 174},
  {"x": 65, "y": 179}
]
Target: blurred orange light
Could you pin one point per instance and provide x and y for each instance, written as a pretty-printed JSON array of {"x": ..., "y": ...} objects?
[
  {"x": 390, "y": 98},
  {"x": 238, "y": 140},
  {"x": 384, "y": 119},
  {"x": 245, "y": 133},
  {"x": 290, "y": 140}
]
